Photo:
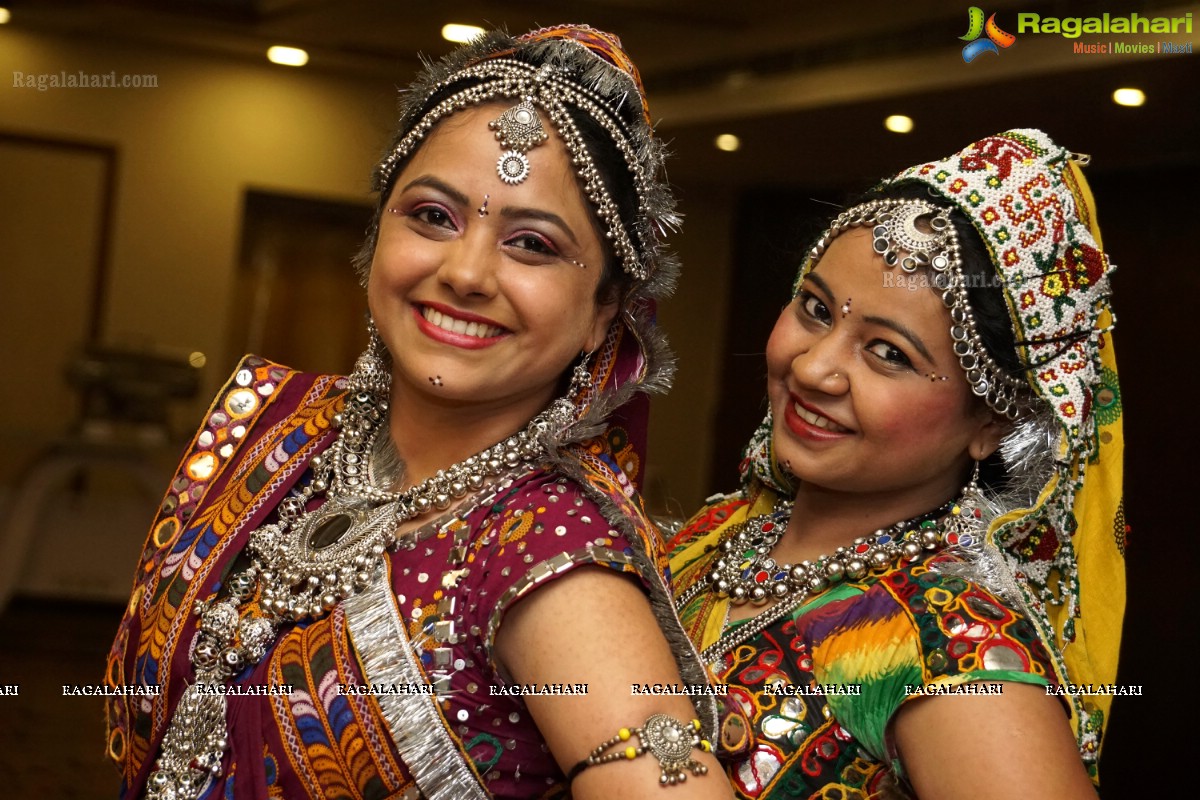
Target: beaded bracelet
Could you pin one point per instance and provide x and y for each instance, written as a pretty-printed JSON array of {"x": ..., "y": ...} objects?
[{"x": 665, "y": 738}]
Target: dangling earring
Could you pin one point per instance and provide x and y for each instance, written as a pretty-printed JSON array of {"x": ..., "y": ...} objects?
[
  {"x": 371, "y": 373},
  {"x": 581, "y": 376},
  {"x": 966, "y": 525},
  {"x": 972, "y": 491},
  {"x": 565, "y": 411}
]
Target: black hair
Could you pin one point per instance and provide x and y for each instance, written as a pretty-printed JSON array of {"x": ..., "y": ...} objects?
[{"x": 618, "y": 180}]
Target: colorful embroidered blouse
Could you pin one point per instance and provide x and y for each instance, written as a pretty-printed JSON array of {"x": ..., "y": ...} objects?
[
  {"x": 366, "y": 716},
  {"x": 810, "y": 698}
]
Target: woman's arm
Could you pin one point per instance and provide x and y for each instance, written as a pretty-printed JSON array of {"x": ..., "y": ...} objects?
[
  {"x": 595, "y": 626},
  {"x": 1017, "y": 746}
]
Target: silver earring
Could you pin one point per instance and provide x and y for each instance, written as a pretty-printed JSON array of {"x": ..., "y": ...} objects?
[
  {"x": 965, "y": 526},
  {"x": 972, "y": 500},
  {"x": 371, "y": 373},
  {"x": 566, "y": 410},
  {"x": 581, "y": 376},
  {"x": 972, "y": 486}
]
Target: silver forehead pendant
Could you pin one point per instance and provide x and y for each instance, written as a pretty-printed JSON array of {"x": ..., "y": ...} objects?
[{"x": 519, "y": 130}]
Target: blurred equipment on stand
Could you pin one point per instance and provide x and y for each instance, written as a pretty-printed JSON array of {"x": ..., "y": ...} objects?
[{"x": 76, "y": 517}]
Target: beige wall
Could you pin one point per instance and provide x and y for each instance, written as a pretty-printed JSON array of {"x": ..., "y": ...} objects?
[{"x": 188, "y": 149}]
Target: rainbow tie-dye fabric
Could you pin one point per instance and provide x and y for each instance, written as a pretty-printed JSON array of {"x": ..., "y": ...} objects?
[{"x": 810, "y": 698}]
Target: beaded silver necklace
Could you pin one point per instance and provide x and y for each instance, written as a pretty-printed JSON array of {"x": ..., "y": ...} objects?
[
  {"x": 307, "y": 562},
  {"x": 744, "y": 570}
]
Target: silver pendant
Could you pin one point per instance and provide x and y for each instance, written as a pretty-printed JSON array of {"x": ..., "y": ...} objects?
[
  {"x": 322, "y": 558},
  {"x": 519, "y": 130},
  {"x": 513, "y": 167},
  {"x": 194, "y": 744}
]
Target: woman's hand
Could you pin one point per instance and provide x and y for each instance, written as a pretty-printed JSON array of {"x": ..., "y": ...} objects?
[
  {"x": 595, "y": 626},
  {"x": 1017, "y": 745}
]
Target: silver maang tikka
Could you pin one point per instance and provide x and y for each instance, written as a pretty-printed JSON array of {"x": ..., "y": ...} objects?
[{"x": 519, "y": 130}]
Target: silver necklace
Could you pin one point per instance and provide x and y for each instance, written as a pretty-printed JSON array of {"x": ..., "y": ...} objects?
[
  {"x": 308, "y": 561},
  {"x": 744, "y": 570}
]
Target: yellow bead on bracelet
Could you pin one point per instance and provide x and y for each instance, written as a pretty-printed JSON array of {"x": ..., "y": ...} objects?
[{"x": 664, "y": 737}]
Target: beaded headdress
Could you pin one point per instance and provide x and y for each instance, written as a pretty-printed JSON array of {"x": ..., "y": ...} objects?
[
  {"x": 1028, "y": 200},
  {"x": 1057, "y": 539}
]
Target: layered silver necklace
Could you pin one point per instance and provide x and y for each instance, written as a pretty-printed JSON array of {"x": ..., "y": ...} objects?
[
  {"x": 307, "y": 562},
  {"x": 744, "y": 570}
]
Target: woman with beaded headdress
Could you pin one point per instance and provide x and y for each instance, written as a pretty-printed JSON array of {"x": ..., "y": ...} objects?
[
  {"x": 428, "y": 578},
  {"x": 924, "y": 562}
]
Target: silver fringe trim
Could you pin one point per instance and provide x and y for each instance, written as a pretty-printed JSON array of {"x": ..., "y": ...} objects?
[
  {"x": 429, "y": 753},
  {"x": 1028, "y": 453},
  {"x": 984, "y": 565},
  {"x": 983, "y": 562}
]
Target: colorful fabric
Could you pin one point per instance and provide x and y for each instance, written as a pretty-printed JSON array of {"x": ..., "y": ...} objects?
[
  {"x": 811, "y": 697},
  {"x": 1032, "y": 207},
  {"x": 324, "y": 739}
]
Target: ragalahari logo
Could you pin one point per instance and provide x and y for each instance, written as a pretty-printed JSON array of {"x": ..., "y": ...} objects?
[{"x": 976, "y": 27}]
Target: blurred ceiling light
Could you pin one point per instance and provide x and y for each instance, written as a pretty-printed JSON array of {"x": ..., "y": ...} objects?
[
  {"x": 898, "y": 123},
  {"x": 287, "y": 56},
  {"x": 460, "y": 34},
  {"x": 5, "y": 15},
  {"x": 727, "y": 142},
  {"x": 1129, "y": 97}
]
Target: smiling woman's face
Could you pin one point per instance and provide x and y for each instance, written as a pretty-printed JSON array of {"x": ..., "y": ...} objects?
[
  {"x": 484, "y": 292},
  {"x": 865, "y": 390}
]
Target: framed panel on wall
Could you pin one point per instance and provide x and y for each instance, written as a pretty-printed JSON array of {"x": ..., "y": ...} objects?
[
  {"x": 296, "y": 299},
  {"x": 56, "y": 206}
]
